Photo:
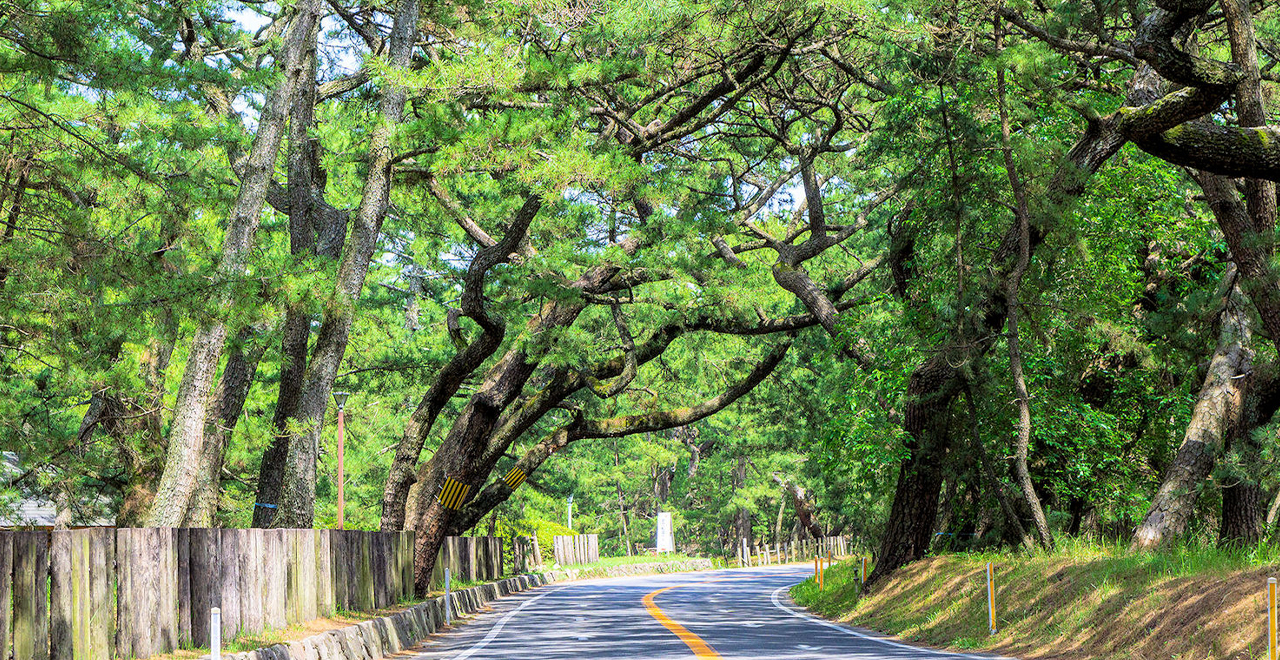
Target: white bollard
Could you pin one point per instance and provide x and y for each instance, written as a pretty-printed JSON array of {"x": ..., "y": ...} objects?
[
  {"x": 746, "y": 554},
  {"x": 215, "y": 633},
  {"x": 446, "y": 597},
  {"x": 1271, "y": 617},
  {"x": 991, "y": 599}
]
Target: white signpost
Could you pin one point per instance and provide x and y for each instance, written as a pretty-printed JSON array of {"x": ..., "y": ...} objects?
[{"x": 665, "y": 541}]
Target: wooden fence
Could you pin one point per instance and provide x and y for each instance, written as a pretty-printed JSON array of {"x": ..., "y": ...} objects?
[
  {"x": 124, "y": 593},
  {"x": 763, "y": 554},
  {"x": 526, "y": 555},
  {"x": 469, "y": 559},
  {"x": 578, "y": 549}
]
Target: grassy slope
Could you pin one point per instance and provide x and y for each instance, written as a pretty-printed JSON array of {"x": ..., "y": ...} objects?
[{"x": 1080, "y": 602}]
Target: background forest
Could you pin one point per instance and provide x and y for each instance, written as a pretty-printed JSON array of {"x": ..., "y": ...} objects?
[{"x": 933, "y": 275}]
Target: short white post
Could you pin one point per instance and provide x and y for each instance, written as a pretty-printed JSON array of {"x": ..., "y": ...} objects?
[
  {"x": 215, "y": 633},
  {"x": 991, "y": 599},
  {"x": 1271, "y": 617},
  {"x": 746, "y": 554},
  {"x": 447, "y": 618}
]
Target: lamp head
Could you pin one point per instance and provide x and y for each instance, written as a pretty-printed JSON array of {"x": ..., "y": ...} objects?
[{"x": 340, "y": 398}]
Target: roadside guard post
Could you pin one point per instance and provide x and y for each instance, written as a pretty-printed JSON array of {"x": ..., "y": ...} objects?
[
  {"x": 991, "y": 600},
  {"x": 446, "y": 597},
  {"x": 1271, "y": 617},
  {"x": 215, "y": 630},
  {"x": 863, "y": 577}
]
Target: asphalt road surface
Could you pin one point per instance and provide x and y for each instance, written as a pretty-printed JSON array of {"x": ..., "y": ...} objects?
[{"x": 714, "y": 614}]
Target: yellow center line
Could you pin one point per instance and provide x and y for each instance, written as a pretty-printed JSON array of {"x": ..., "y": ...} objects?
[{"x": 695, "y": 643}]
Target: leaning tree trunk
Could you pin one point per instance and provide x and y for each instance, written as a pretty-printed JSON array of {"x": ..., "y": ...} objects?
[
  {"x": 178, "y": 483},
  {"x": 315, "y": 229},
  {"x": 805, "y": 515},
  {"x": 1013, "y": 287},
  {"x": 1216, "y": 414},
  {"x": 932, "y": 386}
]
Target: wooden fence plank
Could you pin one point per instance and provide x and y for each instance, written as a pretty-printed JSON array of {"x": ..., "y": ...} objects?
[
  {"x": 169, "y": 594},
  {"x": 60, "y": 601},
  {"x": 144, "y": 556},
  {"x": 30, "y": 595},
  {"x": 355, "y": 567},
  {"x": 229, "y": 552},
  {"x": 338, "y": 562},
  {"x": 182, "y": 543},
  {"x": 366, "y": 571},
  {"x": 407, "y": 562},
  {"x": 411, "y": 549},
  {"x": 102, "y": 589},
  {"x": 277, "y": 572},
  {"x": 292, "y": 600},
  {"x": 206, "y": 589},
  {"x": 378, "y": 560},
  {"x": 307, "y": 561},
  {"x": 124, "y": 589},
  {"x": 6, "y": 592},
  {"x": 80, "y": 578},
  {"x": 251, "y": 582},
  {"x": 324, "y": 573}
]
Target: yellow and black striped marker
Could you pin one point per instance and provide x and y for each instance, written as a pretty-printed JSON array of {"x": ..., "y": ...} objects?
[
  {"x": 514, "y": 478},
  {"x": 453, "y": 493}
]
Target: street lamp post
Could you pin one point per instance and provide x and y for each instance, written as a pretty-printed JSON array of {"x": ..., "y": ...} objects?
[{"x": 341, "y": 399}]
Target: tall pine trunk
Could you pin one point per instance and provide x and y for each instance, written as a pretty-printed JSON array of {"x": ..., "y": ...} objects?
[
  {"x": 179, "y": 480},
  {"x": 296, "y": 506}
]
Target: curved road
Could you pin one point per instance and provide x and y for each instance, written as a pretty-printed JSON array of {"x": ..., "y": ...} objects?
[{"x": 713, "y": 614}]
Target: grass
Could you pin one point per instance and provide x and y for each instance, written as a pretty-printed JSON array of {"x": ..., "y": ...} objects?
[{"x": 1082, "y": 600}]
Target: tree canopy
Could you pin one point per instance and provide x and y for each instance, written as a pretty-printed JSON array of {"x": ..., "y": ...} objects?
[{"x": 933, "y": 275}]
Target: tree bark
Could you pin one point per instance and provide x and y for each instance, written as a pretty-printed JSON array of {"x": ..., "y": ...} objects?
[
  {"x": 1242, "y": 515},
  {"x": 186, "y": 435},
  {"x": 1216, "y": 415}
]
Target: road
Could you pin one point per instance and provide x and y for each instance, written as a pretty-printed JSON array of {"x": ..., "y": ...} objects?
[{"x": 743, "y": 614}]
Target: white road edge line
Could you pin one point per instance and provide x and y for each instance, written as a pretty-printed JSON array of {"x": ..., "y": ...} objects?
[
  {"x": 849, "y": 631},
  {"x": 497, "y": 627}
]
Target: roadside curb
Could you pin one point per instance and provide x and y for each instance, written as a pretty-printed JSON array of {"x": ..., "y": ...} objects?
[{"x": 377, "y": 638}]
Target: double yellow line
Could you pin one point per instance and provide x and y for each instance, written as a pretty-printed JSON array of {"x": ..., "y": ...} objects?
[{"x": 700, "y": 648}]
